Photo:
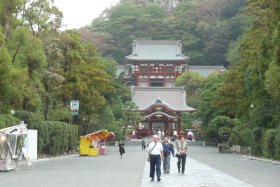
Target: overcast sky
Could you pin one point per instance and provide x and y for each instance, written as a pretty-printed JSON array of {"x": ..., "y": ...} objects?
[{"x": 78, "y": 13}]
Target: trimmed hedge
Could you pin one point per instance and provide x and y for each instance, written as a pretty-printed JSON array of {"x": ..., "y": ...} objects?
[
  {"x": 269, "y": 146},
  {"x": 277, "y": 145},
  {"x": 54, "y": 137},
  {"x": 241, "y": 137},
  {"x": 7, "y": 120},
  {"x": 257, "y": 144},
  {"x": 246, "y": 135}
]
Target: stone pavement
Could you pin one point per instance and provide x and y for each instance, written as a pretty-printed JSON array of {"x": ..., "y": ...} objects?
[
  {"x": 133, "y": 171},
  {"x": 196, "y": 175}
]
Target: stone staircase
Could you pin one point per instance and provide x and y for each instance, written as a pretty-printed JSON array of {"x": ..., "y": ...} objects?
[
  {"x": 196, "y": 143},
  {"x": 138, "y": 142},
  {"x": 134, "y": 142}
]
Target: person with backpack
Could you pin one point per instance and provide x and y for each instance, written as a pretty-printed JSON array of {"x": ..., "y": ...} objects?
[{"x": 168, "y": 149}]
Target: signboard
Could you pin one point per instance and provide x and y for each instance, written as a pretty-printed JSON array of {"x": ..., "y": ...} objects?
[
  {"x": 74, "y": 113},
  {"x": 74, "y": 105}
]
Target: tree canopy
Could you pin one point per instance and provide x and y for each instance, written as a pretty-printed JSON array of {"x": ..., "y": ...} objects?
[
  {"x": 43, "y": 69},
  {"x": 206, "y": 28}
]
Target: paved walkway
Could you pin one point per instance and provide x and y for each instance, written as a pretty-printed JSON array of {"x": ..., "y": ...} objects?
[
  {"x": 133, "y": 171},
  {"x": 196, "y": 175}
]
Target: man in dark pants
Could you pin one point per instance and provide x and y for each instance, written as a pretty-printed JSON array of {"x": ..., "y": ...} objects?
[{"x": 155, "y": 155}]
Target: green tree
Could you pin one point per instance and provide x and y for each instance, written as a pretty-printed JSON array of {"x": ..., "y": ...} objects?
[
  {"x": 41, "y": 15},
  {"x": 208, "y": 98},
  {"x": 231, "y": 94},
  {"x": 124, "y": 23},
  {"x": 5, "y": 79},
  {"x": 193, "y": 83},
  {"x": 130, "y": 116},
  {"x": 28, "y": 56},
  {"x": 9, "y": 10}
]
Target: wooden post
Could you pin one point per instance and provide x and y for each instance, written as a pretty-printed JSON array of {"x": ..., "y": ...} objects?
[
  {"x": 179, "y": 123},
  {"x": 150, "y": 128},
  {"x": 166, "y": 127}
]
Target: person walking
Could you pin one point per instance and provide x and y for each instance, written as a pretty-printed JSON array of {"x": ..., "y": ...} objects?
[
  {"x": 121, "y": 148},
  {"x": 167, "y": 150},
  {"x": 190, "y": 135},
  {"x": 159, "y": 134},
  {"x": 144, "y": 143},
  {"x": 133, "y": 134},
  {"x": 182, "y": 147},
  {"x": 155, "y": 155},
  {"x": 175, "y": 135}
]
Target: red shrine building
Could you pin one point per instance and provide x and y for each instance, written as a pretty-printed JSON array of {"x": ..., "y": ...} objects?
[{"x": 153, "y": 68}]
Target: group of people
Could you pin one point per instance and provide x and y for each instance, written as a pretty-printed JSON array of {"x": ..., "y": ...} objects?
[
  {"x": 158, "y": 152},
  {"x": 158, "y": 132},
  {"x": 162, "y": 152}
]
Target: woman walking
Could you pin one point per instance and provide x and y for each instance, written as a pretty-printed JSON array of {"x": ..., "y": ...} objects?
[
  {"x": 167, "y": 150},
  {"x": 181, "y": 154},
  {"x": 121, "y": 148}
]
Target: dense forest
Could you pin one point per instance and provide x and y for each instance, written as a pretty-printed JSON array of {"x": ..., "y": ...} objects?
[
  {"x": 42, "y": 68},
  {"x": 208, "y": 30}
]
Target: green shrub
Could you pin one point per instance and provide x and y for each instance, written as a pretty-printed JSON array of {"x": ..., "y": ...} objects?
[
  {"x": 72, "y": 137},
  {"x": 43, "y": 137},
  {"x": 223, "y": 130},
  {"x": 56, "y": 137},
  {"x": 269, "y": 146},
  {"x": 277, "y": 145},
  {"x": 220, "y": 121},
  {"x": 235, "y": 135},
  {"x": 30, "y": 118},
  {"x": 246, "y": 135},
  {"x": 53, "y": 137},
  {"x": 211, "y": 134},
  {"x": 235, "y": 138},
  {"x": 224, "y": 121},
  {"x": 55, "y": 145},
  {"x": 60, "y": 113},
  {"x": 116, "y": 128},
  {"x": 7, "y": 120},
  {"x": 241, "y": 136},
  {"x": 257, "y": 143}
]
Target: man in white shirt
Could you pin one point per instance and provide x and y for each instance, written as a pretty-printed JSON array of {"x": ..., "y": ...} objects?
[{"x": 155, "y": 155}]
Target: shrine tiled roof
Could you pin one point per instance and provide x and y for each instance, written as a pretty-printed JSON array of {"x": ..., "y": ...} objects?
[
  {"x": 206, "y": 70},
  {"x": 174, "y": 98},
  {"x": 160, "y": 113},
  {"x": 157, "y": 50}
]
